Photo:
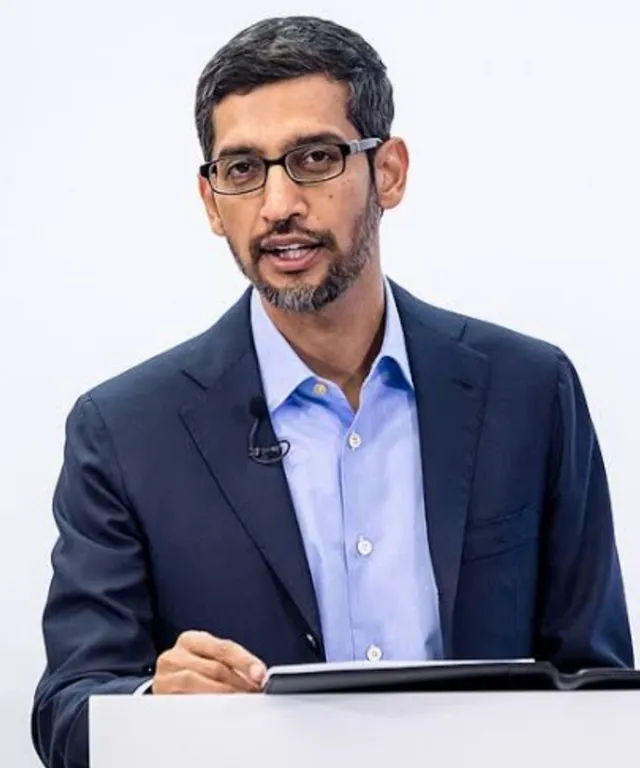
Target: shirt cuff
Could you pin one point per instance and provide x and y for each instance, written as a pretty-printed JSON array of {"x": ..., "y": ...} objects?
[{"x": 144, "y": 688}]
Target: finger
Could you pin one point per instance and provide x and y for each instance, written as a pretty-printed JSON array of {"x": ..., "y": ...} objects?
[
  {"x": 188, "y": 681},
  {"x": 180, "y": 659},
  {"x": 232, "y": 654}
]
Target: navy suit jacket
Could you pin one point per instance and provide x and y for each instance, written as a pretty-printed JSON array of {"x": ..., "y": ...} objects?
[{"x": 166, "y": 525}]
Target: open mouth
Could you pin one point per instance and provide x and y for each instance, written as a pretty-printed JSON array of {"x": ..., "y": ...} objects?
[{"x": 294, "y": 258}]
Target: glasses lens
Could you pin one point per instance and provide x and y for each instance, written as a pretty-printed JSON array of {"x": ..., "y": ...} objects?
[
  {"x": 316, "y": 162},
  {"x": 237, "y": 173}
]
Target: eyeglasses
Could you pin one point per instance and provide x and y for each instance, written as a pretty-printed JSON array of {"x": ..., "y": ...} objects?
[{"x": 306, "y": 164}]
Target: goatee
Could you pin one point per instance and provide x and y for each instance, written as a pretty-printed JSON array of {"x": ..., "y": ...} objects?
[{"x": 344, "y": 269}]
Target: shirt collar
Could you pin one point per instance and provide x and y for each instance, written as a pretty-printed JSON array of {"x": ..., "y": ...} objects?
[{"x": 281, "y": 369}]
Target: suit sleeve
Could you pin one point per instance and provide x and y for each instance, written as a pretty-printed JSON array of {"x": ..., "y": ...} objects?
[
  {"x": 582, "y": 610},
  {"x": 97, "y": 619}
]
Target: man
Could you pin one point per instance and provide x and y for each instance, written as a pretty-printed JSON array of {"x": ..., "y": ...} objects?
[{"x": 336, "y": 470}]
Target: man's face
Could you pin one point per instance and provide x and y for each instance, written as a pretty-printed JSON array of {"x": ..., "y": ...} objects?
[{"x": 336, "y": 219}]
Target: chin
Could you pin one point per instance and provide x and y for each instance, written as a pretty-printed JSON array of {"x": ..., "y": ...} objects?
[{"x": 312, "y": 277}]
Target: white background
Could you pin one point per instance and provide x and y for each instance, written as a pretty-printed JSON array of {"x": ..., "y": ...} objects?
[{"x": 523, "y": 121}]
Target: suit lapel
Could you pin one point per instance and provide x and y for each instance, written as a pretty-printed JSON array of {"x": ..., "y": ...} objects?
[
  {"x": 217, "y": 417},
  {"x": 450, "y": 382}
]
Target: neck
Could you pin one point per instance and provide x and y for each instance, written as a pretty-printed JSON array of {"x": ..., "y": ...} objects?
[{"x": 340, "y": 342}]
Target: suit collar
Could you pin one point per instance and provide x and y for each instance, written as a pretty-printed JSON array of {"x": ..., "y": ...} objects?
[
  {"x": 450, "y": 382},
  {"x": 216, "y": 350}
]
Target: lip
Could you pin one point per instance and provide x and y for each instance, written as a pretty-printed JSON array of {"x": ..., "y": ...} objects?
[
  {"x": 297, "y": 265},
  {"x": 283, "y": 241}
]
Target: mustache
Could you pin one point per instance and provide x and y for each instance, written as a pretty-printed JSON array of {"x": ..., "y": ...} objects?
[{"x": 325, "y": 238}]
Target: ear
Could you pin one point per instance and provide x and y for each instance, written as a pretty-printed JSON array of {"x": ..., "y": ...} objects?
[
  {"x": 391, "y": 168},
  {"x": 211, "y": 207}
]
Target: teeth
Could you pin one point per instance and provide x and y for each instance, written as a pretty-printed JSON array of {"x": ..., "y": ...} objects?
[
  {"x": 292, "y": 252},
  {"x": 298, "y": 247}
]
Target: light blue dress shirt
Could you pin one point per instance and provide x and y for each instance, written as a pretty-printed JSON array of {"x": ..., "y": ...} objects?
[{"x": 357, "y": 488}]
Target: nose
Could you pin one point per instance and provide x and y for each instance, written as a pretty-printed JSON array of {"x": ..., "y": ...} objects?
[{"x": 282, "y": 197}]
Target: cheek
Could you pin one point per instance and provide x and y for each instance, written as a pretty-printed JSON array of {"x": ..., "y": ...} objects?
[
  {"x": 342, "y": 207},
  {"x": 338, "y": 202},
  {"x": 237, "y": 224}
]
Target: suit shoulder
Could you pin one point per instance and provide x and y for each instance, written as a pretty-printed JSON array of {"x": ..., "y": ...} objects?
[
  {"x": 150, "y": 379},
  {"x": 486, "y": 337},
  {"x": 164, "y": 379},
  {"x": 497, "y": 342},
  {"x": 494, "y": 339},
  {"x": 518, "y": 362}
]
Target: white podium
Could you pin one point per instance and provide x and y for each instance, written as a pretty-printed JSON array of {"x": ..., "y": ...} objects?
[{"x": 404, "y": 730}]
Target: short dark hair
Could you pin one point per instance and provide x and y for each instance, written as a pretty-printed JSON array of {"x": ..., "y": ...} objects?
[{"x": 283, "y": 48}]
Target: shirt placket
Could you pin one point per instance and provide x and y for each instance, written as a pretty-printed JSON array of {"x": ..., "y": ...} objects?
[{"x": 358, "y": 546}]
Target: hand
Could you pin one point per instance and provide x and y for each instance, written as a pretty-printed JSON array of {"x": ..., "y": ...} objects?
[{"x": 202, "y": 663}]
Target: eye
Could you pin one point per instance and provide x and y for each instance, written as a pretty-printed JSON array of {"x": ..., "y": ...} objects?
[
  {"x": 239, "y": 169},
  {"x": 316, "y": 162},
  {"x": 317, "y": 156}
]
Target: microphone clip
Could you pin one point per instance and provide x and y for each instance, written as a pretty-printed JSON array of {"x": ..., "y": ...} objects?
[{"x": 265, "y": 454}]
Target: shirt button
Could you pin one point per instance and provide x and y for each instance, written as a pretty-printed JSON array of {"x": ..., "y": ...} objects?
[
  {"x": 320, "y": 389},
  {"x": 364, "y": 546},
  {"x": 354, "y": 440},
  {"x": 374, "y": 653}
]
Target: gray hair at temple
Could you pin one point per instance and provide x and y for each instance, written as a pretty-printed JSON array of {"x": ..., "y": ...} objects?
[{"x": 283, "y": 48}]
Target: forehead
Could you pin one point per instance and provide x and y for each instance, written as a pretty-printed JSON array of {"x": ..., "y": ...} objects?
[{"x": 270, "y": 115}]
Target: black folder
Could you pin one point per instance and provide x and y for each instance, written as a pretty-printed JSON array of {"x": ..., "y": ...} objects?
[{"x": 508, "y": 675}]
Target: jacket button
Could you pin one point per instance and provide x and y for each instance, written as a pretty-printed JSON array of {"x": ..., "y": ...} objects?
[{"x": 312, "y": 641}]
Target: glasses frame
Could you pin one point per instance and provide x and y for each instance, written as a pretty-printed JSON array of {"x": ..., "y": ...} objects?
[{"x": 347, "y": 149}]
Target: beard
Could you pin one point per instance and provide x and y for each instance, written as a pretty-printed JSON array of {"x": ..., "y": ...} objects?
[{"x": 344, "y": 268}]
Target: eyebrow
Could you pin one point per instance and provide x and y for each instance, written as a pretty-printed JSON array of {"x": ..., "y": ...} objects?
[{"x": 297, "y": 141}]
